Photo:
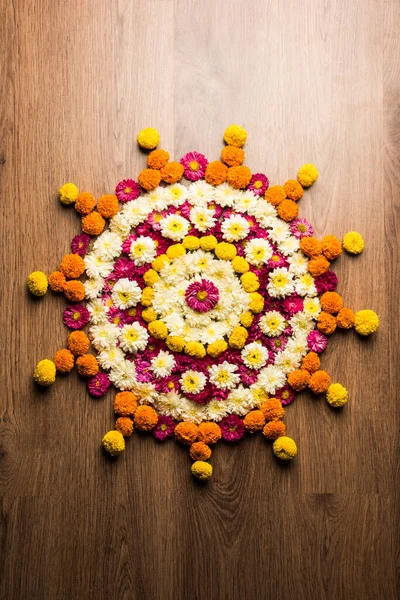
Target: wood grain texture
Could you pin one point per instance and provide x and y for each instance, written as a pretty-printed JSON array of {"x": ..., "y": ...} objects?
[{"x": 311, "y": 81}]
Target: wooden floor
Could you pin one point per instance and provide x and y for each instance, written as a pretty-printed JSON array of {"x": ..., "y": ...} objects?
[{"x": 314, "y": 81}]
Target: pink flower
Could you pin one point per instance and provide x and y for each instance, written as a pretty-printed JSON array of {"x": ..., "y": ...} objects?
[
  {"x": 293, "y": 304},
  {"x": 232, "y": 428},
  {"x": 80, "y": 243},
  {"x": 76, "y": 316},
  {"x": 164, "y": 428},
  {"x": 258, "y": 184},
  {"x": 277, "y": 260},
  {"x": 301, "y": 228},
  {"x": 117, "y": 316},
  {"x": 327, "y": 282},
  {"x": 285, "y": 395},
  {"x": 194, "y": 165},
  {"x": 202, "y": 295},
  {"x": 317, "y": 342},
  {"x": 168, "y": 384},
  {"x": 124, "y": 268},
  {"x": 98, "y": 385},
  {"x": 143, "y": 372},
  {"x": 127, "y": 190}
]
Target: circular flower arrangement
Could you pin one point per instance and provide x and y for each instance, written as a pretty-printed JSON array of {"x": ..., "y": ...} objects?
[{"x": 208, "y": 304}]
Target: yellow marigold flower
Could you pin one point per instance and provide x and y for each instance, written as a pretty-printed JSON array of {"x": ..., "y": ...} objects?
[
  {"x": 256, "y": 302},
  {"x": 147, "y": 296},
  {"x": 175, "y": 343},
  {"x": 337, "y": 395},
  {"x": 353, "y": 242},
  {"x": 284, "y": 448},
  {"x": 250, "y": 282},
  {"x": 151, "y": 277},
  {"x": 160, "y": 262},
  {"x": 45, "y": 372},
  {"x": 208, "y": 242},
  {"x": 113, "y": 442},
  {"x": 37, "y": 283},
  {"x": 246, "y": 318},
  {"x": 307, "y": 175},
  {"x": 225, "y": 251},
  {"x": 68, "y": 193},
  {"x": 195, "y": 349},
  {"x": 191, "y": 242},
  {"x": 238, "y": 338},
  {"x": 367, "y": 322},
  {"x": 235, "y": 135},
  {"x": 148, "y": 138},
  {"x": 175, "y": 250},
  {"x": 240, "y": 264},
  {"x": 149, "y": 314},
  {"x": 216, "y": 348},
  {"x": 158, "y": 329},
  {"x": 202, "y": 470}
]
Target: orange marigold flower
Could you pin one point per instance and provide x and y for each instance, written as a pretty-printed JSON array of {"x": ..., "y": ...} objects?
[
  {"x": 326, "y": 323},
  {"x": 209, "y": 432},
  {"x": 157, "y": 159},
  {"x": 216, "y": 173},
  {"x": 345, "y": 318},
  {"x": 72, "y": 266},
  {"x": 78, "y": 343},
  {"x": 331, "y": 247},
  {"x": 298, "y": 380},
  {"x": 85, "y": 203},
  {"x": 74, "y": 290},
  {"x": 331, "y": 302},
  {"x": 232, "y": 156},
  {"x": 57, "y": 281},
  {"x": 311, "y": 362},
  {"x": 310, "y": 246},
  {"x": 319, "y": 382},
  {"x": 186, "y": 432},
  {"x": 87, "y": 365},
  {"x": 125, "y": 404},
  {"x": 272, "y": 409},
  {"x": 172, "y": 172},
  {"x": 274, "y": 429},
  {"x": 124, "y": 425},
  {"x": 239, "y": 177},
  {"x": 318, "y": 265},
  {"x": 93, "y": 223},
  {"x": 64, "y": 361},
  {"x": 275, "y": 195},
  {"x": 149, "y": 179},
  {"x": 107, "y": 206},
  {"x": 288, "y": 210},
  {"x": 254, "y": 421},
  {"x": 145, "y": 418},
  {"x": 293, "y": 189},
  {"x": 200, "y": 451}
]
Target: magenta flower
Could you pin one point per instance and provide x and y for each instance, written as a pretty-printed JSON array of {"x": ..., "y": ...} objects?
[
  {"x": 124, "y": 268},
  {"x": 258, "y": 184},
  {"x": 292, "y": 304},
  {"x": 301, "y": 228},
  {"x": 80, "y": 243},
  {"x": 232, "y": 428},
  {"x": 127, "y": 190},
  {"x": 317, "y": 342},
  {"x": 285, "y": 395},
  {"x": 164, "y": 428},
  {"x": 98, "y": 385},
  {"x": 194, "y": 165},
  {"x": 202, "y": 295},
  {"x": 76, "y": 316},
  {"x": 327, "y": 282}
]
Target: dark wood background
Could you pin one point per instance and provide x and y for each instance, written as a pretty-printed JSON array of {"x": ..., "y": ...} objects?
[{"x": 311, "y": 81}]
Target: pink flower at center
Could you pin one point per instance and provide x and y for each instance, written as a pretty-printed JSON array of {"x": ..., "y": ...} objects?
[{"x": 202, "y": 296}]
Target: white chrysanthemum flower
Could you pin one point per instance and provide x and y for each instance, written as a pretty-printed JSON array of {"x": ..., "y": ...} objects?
[
  {"x": 156, "y": 199},
  {"x": 120, "y": 226},
  {"x": 271, "y": 379},
  {"x": 104, "y": 335},
  {"x": 298, "y": 263},
  {"x": 245, "y": 201},
  {"x": 199, "y": 262},
  {"x": 176, "y": 194},
  {"x": 193, "y": 382},
  {"x": 240, "y": 401},
  {"x": 97, "y": 311},
  {"x": 216, "y": 410},
  {"x": 133, "y": 337},
  {"x": 312, "y": 307},
  {"x": 93, "y": 287},
  {"x": 279, "y": 231},
  {"x": 126, "y": 293},
  {"x": 213, "y": 332},
  {"x": 174, "y": 227},
  {"x": 287, "y": 361},
  {"x": 264, "y": 213},
  {"x": 224, "y": 376},
  {"x": 143, "y": 250},
  {"x": 220, "y": 270},
  {"x": 235, "y": 228},
  {"x": 225, "y": 195},
  {"x": 301, "y": 323},
  {"x": 136, "y": 212},
  {"x": 146, "y": 392},
  {"x": 200, "y": 192},
  {"x": 108, "y": 245},
  {"x": 162, "y": 364},
  {"x": 272, "y": 323},
  {"x": 202, "y": 218},
  {"x": 280, "y": 283},
  {"x": 111, "y": 357},
  {"x": 298, "y": 344},
  {"x": 258, "y": 251},
  {"x": 123, "y": 375},
  {"x": 96, "y": 266},
  {"x": 289, "y": 246},
  {"x": 254, "y": 355},
  {"x": 305, "y": 285}
]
